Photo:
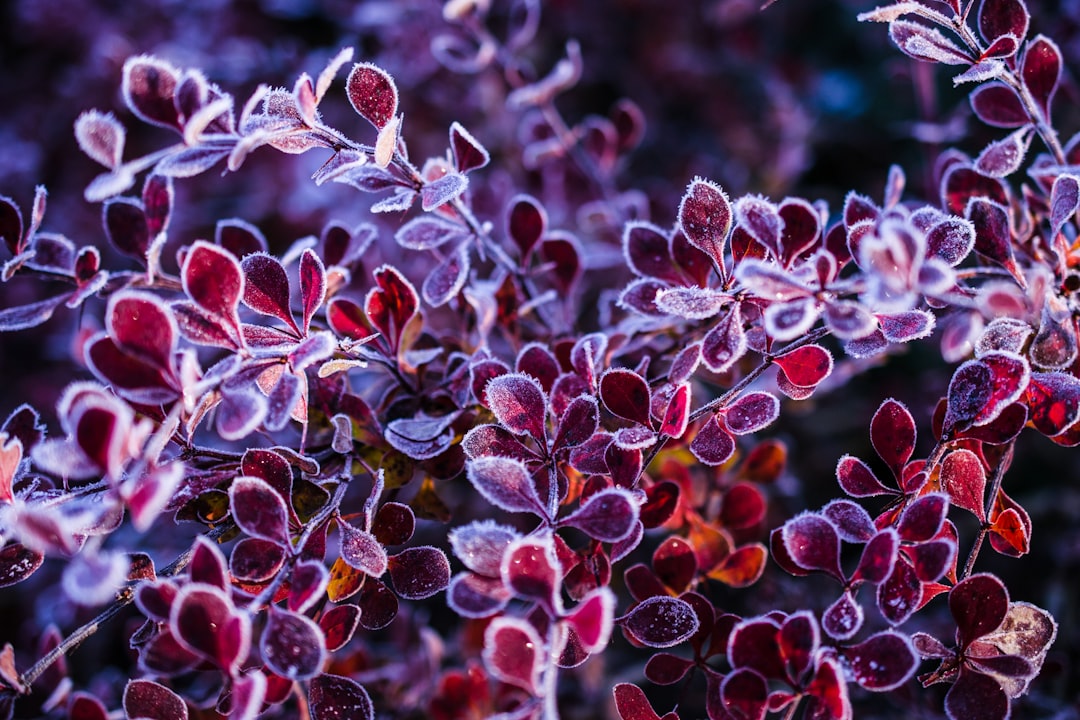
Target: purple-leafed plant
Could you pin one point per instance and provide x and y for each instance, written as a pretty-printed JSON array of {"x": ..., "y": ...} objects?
[{"x": 492, "y": 444}]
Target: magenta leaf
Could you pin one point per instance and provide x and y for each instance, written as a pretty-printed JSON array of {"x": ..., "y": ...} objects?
[
  {"x": 373, "y": 94},
  {"x": 883, "y": 661},
  {"x": 467, "y": 151},
  {"x": 993, "y": 236},
  {"x": 812, "y": 543},
  {"x": 531, "y": 569},
  {"x": 514, "y": 653},
  {"x": 307, "y": 583},
  {"x": 930, "y": 560},
  {"x": 677, "y": 413},
  {"x": 148, "y": 700},
  {"x": 419, "y": 572},
  {"x": 752, "y": 412},
  {"x": 203, "y": 621},
  {"x": 476, "y": 596},
  {"x": 705, "y": 218},
  {"x": 333, "y": 697},
  {"x": 292, "y": 645},
  {"x": 141, "y": 326},
  {"x": 312, "y": 285},
  {"x": 391, "y": 305},
  {"x": 593, "y": 618},
  {"x": 258, "y": 509},
  {"x": 505, "y": 483},
  {"x": 713, "y": 444},
  {"x": 149, "y": 88},
  {"x": 213, "y": 278},
  {"x": 608, "y": 516},
  {"x": 806, "y": 366},
  {"x": 519, "y": 404},
  {"x": 923, "y": 518},
  {"x": 661, "y": 622},
  {"x": 361, "y": 550}
]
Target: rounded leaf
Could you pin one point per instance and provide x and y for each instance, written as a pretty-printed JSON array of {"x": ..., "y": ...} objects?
[
  {"x": 661, "y": 622},
  {"x": 292, "y": 645},
  {"x": 419, "y": 572}
]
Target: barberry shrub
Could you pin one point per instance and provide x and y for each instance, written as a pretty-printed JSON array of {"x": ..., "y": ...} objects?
[{"x": 503, "y": 446}]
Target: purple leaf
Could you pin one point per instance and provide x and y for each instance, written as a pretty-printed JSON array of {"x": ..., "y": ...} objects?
[
  {"x": 578, "y": 422},
  {"x": 843, "y": 618},
  {"x": 373, "y": 94},
  {"x": 950, "y": 240},
  {"x": 141, "y": 326},
  {"x": 18, "y": 563},
  {"x": 526, "y": 223},
  {"x": 607, "y": 516},
  {"x": 307, "y": 583},
  {"x": 744, "y": 693},
  {"x": 754, "y": 644},
  {"x": 993, "y": 236},
  {"x": 666, "y": 669},
  {"x": 878, "y": 557},
  {"x": 292, "y": 645},
  {"x": 203, "y": 621},
  {"x": 926, "y": 43},
  {"x": 207, "y": 564},
  {"x": 932, "y": 559},
  {"x": 421, "y": 437},
  {"x": 394, "y": 524},
  {"x": 256, "y": 560},
  {"x": 446, "y": 280},
  {"x": 760, "y": 219},
  {"x": 476, "y": 596},
  {"x": 519, "y": 404},
  {"x": 427, "y": 232},
  {"x": 361, "y": 550},
  {"x": 976, "y": 697},
  {"x": 812, "y": 543},
  {"x": 692, "y": 303},
  {"x": 126, "y": 227},
  {"x": 505, "y": 483},
  {"x": 239, "y": 237},
  {"x": 752, "y": 412},
  {"x": 661, "y": 622},
  {"x": 799, "y": 641},
  {"x": 437, "y": 193},
  {"x": 1004, "y": 157},
  {"x": 631, "y": 703},
  {"x": 713, "y": 444},
  {"x": 212, "y": 277},
  {"x": 333, "y": 697},
  {"x": 514, "y": 653},
  {"x": 339, "y": 625},
  {"x": 148, "y": 700},
  {"x": 923, "y": 518},
  {"x": 981, "y": 389},
  {"x": 480, "y": 545},
  {"x": 898, "y": 597},
  {"x": 378, "y": 605},
  {"x": 101, "y": 137},
  {"x": 419, "y": 572},
  {"x": 312, "y": 285},
  {"x": 705, "y": 218},
  {"x": 883, "y": 661},
  {"x": 258, "y": 509},
  {"x": 495, "y": 440},
  {"x": 22, "y": 317},
  {"x": 725, "y": 343}
]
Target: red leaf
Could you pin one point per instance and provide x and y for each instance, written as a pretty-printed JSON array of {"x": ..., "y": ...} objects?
[
  {"x": 892, "y": 433},
  {"x": 923, "y": 518},
  {"x": 802, "y": 229},
  {"x": 884, "y": 661},
  {"x": 857, "y": 479},
  {"x": 514, "y": 653},
  {"x": 338, "y": 625},
  {"x": 878, "y": 557},
  {"x": 981, "y": 389},
  {"x": 760, "y": 219},
  {"x": 212, "y": 277},
  {"x": 292, "y": 645},
  {"x": 743, "y": 506},
  {"x": 256, "y": 560},
  {"x": 1041, "y": 70},
  {"x": 806, "y": 366},
  {"x": 239, "y": 237},
  {"x": 141, "y": 326},
  {"x": 675, "y": 564},
  {"x": 592, "y": 619},
  {"x": 1003, "y": 17},
  {"x": 201, "y": 619},
  {"x": 976, "y": 697},
  {"x": 373, "y": 94},
  {"x": 626, "y": 394},
  {"x": 705, "y": 218},
  {"x": 745, "y": 693},
  {"x": 798, "y": 640},
  {"x": 631, "y": 703},
  {"x": 978, "y": 604},
  {"x": 1054, "y": 400},
  {"x": 963, "y": 477},
  {"x": 997, "y": 104},
  {"x": 755, "y": 644},
  {"x": 526, "y": 223},
  {"x": 724, "y": 344},
  {"x": 1004, "y": 157},
  {"x": 126, "y": 227},
  {"x": 149, "y": 87},
  {"x": 361, "y": 550},
  {"x": 467, "y": 151},
  {"x": 307, "y": 583},
  {"x": 18, "y": 563},
  {"x": 152, "y": 701},
  {"x": 993, "y": 236},
  {"x": 1009, "y": 534},
  {"x": 312, "y": 285},
  {"x": 531, "y": 570},
  {"x": 843, "y": 618},
  {"x": 961, "y": 183},
  {"x": 608, "y": 516},
  {"x": 666, "y": 669},
  {"x": 266, "y": 287}
]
